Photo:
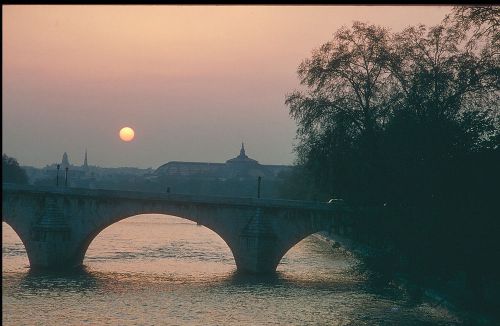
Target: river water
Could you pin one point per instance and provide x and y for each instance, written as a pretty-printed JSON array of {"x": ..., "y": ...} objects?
[{"x": 163, "y": 270}]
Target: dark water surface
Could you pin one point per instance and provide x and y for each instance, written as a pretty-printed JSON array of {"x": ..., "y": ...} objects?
[{"x": 163, "y": 270}]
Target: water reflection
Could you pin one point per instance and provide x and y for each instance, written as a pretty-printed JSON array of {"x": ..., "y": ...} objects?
[
  {"x": 86, "y": 280},
  {"x": 74, "y": 281},
  {"x": 160, "y": 270}
]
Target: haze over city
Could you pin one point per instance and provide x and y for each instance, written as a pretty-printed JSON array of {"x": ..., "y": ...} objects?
[
  {"x": 192, "y": 81},
  {"x": 250, "y": 165}
]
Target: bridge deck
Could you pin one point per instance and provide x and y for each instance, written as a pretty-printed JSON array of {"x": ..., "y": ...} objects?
[{"x": 139, "y": 195}]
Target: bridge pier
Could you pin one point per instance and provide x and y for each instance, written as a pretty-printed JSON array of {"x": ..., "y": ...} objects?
[
  {"x": 256, "y": 255},
  {"x": 52, "y": 249},
  {"x": 256, "y": 250},
  {"x": 51, "y": 244}
]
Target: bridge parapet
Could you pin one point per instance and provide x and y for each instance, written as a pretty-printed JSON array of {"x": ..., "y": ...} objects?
[{"x": 138, "y": 195}]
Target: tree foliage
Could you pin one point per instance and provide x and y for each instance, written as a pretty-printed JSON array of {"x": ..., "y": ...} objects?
[
  {"x": 409, "y": 121},
  {"x": 12, "y": 172},
  {"x": 369, "y": 93}
]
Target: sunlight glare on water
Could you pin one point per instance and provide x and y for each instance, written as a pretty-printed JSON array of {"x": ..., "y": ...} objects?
[{"x": 163, "y": 270}]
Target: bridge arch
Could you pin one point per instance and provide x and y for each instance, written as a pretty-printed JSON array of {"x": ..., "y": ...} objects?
[
  {"x": 22, "y": 230},
  {"x": 57, "y": 225},
  {"x": 291, "y": 240},
  {"x": 89, "y": 239},
  {"x": 18, "y": 235}
]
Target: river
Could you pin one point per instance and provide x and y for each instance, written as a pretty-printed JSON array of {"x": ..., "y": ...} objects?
[{"x": 163, "y": 270}]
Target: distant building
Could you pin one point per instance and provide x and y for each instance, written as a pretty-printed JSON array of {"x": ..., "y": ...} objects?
[
  {"x": 82, "y": 176},
  {"x": 240, "y": 166},
  {"x": 236, "y": 177},
  {"x": 78, "y": 176},
  {"x": 65, "y": 161}
]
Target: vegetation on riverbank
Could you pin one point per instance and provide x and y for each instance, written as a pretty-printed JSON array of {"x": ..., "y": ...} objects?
[
  {"x": 407, "y": 126},
  {"x": 12, "y": 172}
]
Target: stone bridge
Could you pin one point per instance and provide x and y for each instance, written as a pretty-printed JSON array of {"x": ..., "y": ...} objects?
[{"x": 57, "y": 224}]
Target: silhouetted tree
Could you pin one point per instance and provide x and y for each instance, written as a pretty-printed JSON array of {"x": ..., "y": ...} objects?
[
  {"x": 449, "y": 108},
  {"x": 11, "y": 171},
  {"x": 481, "y": 22},
  {"x": 410, "y": 120},
  {"x": 346, "y": 104}
]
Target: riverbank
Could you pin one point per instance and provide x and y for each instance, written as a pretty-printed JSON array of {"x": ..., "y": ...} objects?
[{"x": 446, "y": 299}]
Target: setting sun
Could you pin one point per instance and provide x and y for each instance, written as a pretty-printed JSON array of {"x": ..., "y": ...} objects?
[{"x": 127, "y": 134}]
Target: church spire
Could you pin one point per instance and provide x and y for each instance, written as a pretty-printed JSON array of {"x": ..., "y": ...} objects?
[
  {"x": 85, "y": 160},
  {"x": 242, "y": 150}
]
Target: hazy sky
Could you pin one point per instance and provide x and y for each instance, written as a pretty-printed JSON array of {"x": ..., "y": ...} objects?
[{"x": 193, "y": 81}]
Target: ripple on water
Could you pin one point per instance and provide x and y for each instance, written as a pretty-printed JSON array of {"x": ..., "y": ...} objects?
[{"x": 158, "y": 270}]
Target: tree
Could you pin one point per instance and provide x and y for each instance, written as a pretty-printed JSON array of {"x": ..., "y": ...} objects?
[
  {"x": 410, "y": 119},
  {"x": 345, "y": 105},
  {"x": 12, "y": 172},
  {"x": 367, "y": 88},
  {"x": 482, "y": 22},
  {"x": 450, "y": 94}
]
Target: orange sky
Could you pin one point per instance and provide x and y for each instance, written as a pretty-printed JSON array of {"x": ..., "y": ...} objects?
[{"x": 193, "y": 81}]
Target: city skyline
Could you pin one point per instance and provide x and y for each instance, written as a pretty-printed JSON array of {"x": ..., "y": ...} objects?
[
  {"x": 84, "y": 161},
  {"x": 250, "y": 164},
  {"x": 193, "y": 82}
]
